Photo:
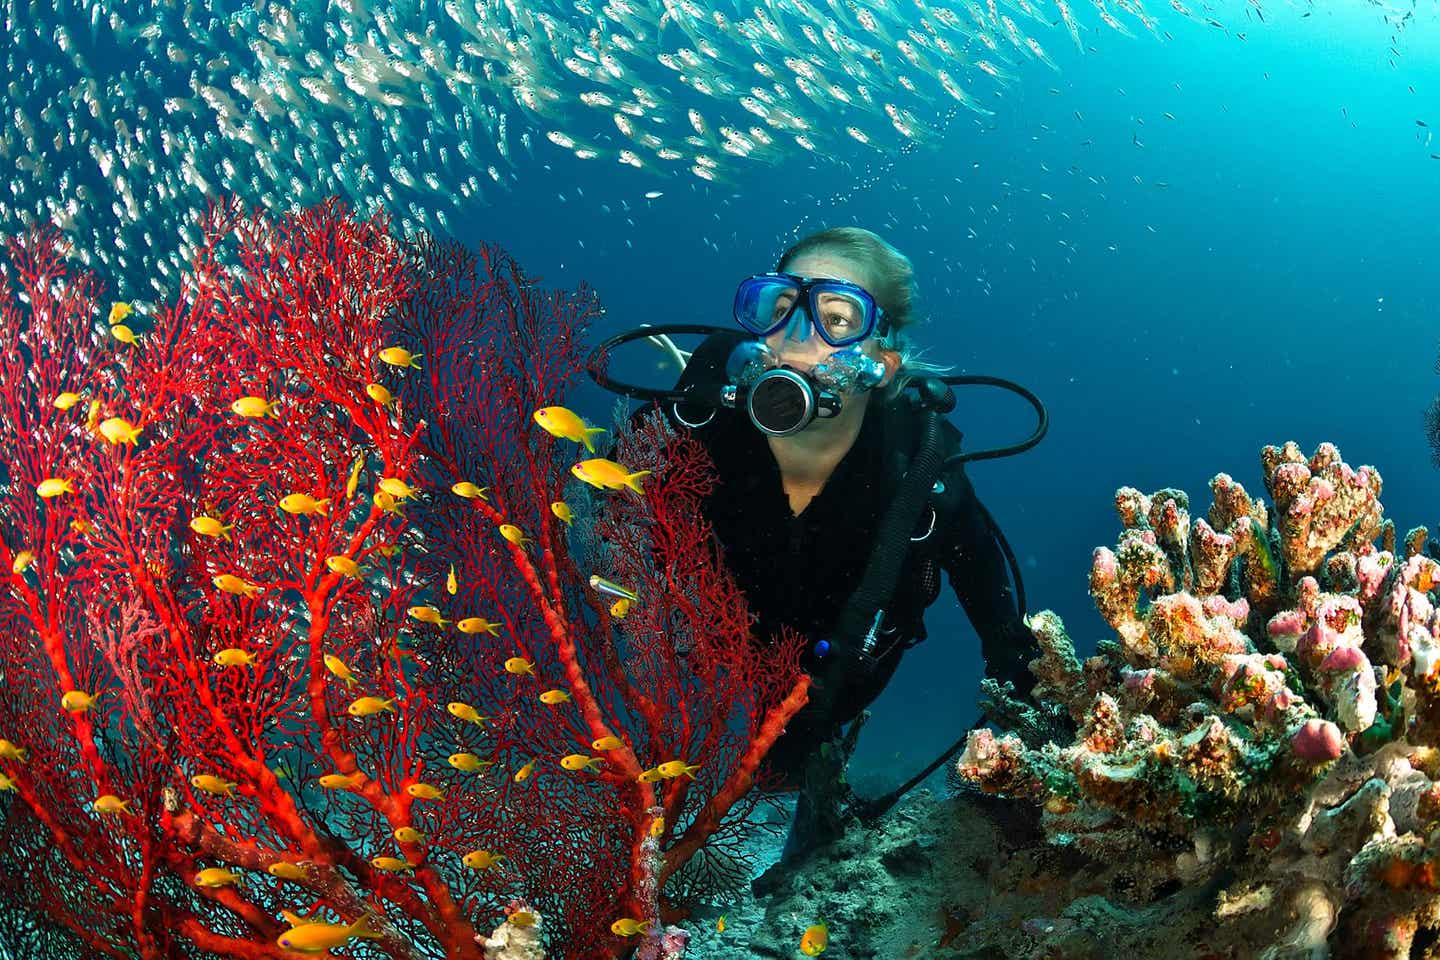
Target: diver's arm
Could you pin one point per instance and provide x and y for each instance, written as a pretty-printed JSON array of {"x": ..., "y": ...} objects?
[{"x": 980, "y": 577}]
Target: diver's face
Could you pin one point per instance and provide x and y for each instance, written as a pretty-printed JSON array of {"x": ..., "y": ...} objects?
[{"x": 797, "y": 343}]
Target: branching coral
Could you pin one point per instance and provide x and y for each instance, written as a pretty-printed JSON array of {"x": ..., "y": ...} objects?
[{"x": 1266, "y": 718}]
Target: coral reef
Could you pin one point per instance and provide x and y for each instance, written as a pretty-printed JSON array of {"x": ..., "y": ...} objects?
[
  {"x": 293, "y": 640},
  {"x": 1263, "y": 726}
]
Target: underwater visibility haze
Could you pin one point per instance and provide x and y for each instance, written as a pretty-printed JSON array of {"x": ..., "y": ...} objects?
[{"x": 320, "y": 638}]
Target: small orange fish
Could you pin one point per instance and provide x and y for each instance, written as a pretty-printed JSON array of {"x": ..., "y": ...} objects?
[
  {"x": 514, "y": 534},
  {"x": 111, "y": 804},
  {"x": 423, "y": 791},
  {"x": 481, "y": 859},
  {"x": 564, "y": 423},
  {"x": 400, "y": 357},
  {"x": 229, "y": 583},
  {"x": 605, "y": 474},
  {"x": 815, "y": 939}
]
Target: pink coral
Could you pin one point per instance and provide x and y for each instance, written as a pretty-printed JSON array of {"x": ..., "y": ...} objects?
[{"x": 1317, "y": 741}]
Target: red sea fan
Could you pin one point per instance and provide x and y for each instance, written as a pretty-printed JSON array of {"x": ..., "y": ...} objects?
[{"x": 295, "y": 630}]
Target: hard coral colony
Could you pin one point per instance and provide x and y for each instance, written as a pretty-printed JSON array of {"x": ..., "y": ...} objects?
[{"x": 1265, "y": 720}]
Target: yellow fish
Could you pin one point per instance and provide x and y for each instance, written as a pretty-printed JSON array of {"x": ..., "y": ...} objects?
[
  {"x": 352, "y": 482},
  {"x": 676, "y": 768},
  {"x": 66, "y": 400},
  {"x": 607, "y": 743},
  {"x": 481, "y": 859},
  {"x": 210, "y": 527},
  {"x": 554, "y": 697},
  {"x": 53, "y": 487},
  {"x": 628, "y": 926},
  {"x": 234, "y": 657},
  {"x": 388, "y": 503},
  {"x": 578, "y": 761},
  {"x": 465, "y": 712},
  {"x": 477, "y": 625},
  {"x": 524, "y": 772},
  {"x": 253, "y": 406},
  {"x": 653, "y": 775},
  {"x": 379, "y": 394},
  {"x": 288, "y": 871},
  {"x": 620, "y": 608},
  {"x": 608, "y": 475},
  {"x": 408, "y": 835},
  {"x": 213, "y": 785},
  {"x": 337, "y": 666},
  {"x": 815, "y": 939},
  {"x": 123, "y": 333},
  {"x": 317, "y": 937},
  {"x": 77, "y": 701},
  {"x": 519, "y": 665},
  {"x": 342, "y": 565},
  {"x": 400, "y": 357},
  {"x": 423, "y": 791},
  {"x": 657, "y": 828},
  {"x": 229, "y": 583},
  {"x": 118, "y": 312},
  {"x": 469, "y": 763},
  {"x": 119, "y": 430},
  {"x": 397, "y": 488},
  {"x": 561, "y": 509},
  {"x": 12, "y": 751},
  {"x": 391, "y": 864},
  {"x": 720, "y": 924},
  {"x": 513, "y": 533},
  {"x": 302, "y": 504},
  {"x": 563, "y": 423},
  {"x": 8, "y": 782},
  {"x": 215, "y": 877},
  {"x": 340, "y": 781},
  {"x": 111, "y": 804},
  {"x": 523, "y": 918},
  {"x": 451, "y": 584},
  {"x": 369, "y": 706},
  {"x": 469, "y": 491},
  {"x": 22, "y": 562},
  {"x": 427, "y": 615}
]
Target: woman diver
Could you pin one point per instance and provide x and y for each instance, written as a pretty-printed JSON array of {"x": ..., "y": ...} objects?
[{"x": 836, "y": 510}]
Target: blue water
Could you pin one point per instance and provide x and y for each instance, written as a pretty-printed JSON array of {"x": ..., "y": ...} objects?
[{"x": 1287, "y": 291}]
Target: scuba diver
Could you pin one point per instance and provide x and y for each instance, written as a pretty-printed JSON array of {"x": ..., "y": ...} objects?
[{"x": 841, "y": 493}]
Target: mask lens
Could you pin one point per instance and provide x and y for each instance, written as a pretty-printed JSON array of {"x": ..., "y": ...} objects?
[
  {"x": 762, "y": 302},
  {"x": 842, "y": 316}
]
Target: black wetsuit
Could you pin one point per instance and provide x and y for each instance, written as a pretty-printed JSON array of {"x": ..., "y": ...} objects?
[{"x": 800, "y": 570}]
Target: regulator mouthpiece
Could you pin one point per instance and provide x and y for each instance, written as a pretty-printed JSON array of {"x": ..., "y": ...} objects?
[{"x": 782, "y": 400}]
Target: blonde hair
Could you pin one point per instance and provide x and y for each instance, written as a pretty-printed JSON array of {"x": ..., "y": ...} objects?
[{"x": 892, "y": 283}]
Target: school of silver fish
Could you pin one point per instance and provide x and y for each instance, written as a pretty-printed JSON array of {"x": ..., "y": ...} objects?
[{"x": 122, "y": 116}]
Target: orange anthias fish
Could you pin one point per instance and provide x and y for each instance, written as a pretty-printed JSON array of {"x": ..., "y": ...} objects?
[
  {"x": 564, "y": 423},
  {"x": 605, "y": 474},
  {"x": 815, "y": 939}
]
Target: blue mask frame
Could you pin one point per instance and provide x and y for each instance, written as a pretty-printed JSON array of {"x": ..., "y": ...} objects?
[{"x": 753, "y": 289}]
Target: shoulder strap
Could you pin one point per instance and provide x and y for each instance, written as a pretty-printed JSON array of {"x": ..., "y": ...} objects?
[{"x": 853, "y": 636}]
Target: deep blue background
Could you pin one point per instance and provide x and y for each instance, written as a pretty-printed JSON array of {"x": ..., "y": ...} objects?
[{"x": 1280, "y": 285}]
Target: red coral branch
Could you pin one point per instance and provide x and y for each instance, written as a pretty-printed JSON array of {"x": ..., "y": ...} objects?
[{"x": 264, "y": 593}]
